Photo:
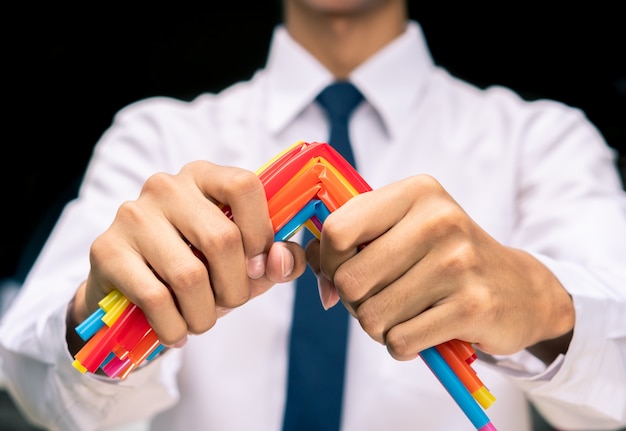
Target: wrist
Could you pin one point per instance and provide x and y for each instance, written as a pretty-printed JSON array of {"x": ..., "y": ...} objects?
[{"x": 557, "y": 311}]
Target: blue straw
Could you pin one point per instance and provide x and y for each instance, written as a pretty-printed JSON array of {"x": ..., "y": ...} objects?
[
  {"x": 87, "y": 328},
  {"x": 315, "y": 207},
  {"x": 455, "y": 387}
]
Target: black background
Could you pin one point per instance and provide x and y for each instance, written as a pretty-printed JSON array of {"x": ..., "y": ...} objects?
[{"x": 68, "y": 70}]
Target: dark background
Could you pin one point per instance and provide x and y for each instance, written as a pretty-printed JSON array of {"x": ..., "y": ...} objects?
[{"x": 70, "y": 70}]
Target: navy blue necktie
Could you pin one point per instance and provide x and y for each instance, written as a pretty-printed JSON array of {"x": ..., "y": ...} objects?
[{"x": 317, "y": 349}]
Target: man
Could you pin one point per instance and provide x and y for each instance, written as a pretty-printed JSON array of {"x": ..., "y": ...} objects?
[{"x": 492, "y": 220}]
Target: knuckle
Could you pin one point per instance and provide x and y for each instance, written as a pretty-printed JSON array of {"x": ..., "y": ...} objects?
[
  {"x": 153, "y": 302},
  {"x": 100, "y": 248},
  {"x": 245, "y": 181},
  {"x": 448, "y": 221},
  {"x": 335, "y": 229},
  {"x": 153, "y": 299},
  {"x": 464, "y": 310},
  {"x": 371, "y": 320},
  {"x": 130, "y": 212},
  {"x": 463, "y": 258},
  {"x": 424, "y": 185},
  {"x": 159, "y": 182},
  {"x": 233, "y": 298},
  {"x": 193, "y": 166},
  {"x": 446, "y": 216},
  {"x": 398, "y": 345},
  {"x": 200, "y": 327},
  {"x": 423, "y": 182},
  {"x": 347, "y": 282},
  {"x": 188, "y": 275},
  {"x": 477, "y": 306},
  {"x": 223, "y": 236}
]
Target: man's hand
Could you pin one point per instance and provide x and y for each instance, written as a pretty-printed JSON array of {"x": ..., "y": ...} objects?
[
  {"x": 429, "y": 274},
  {"x": 148, "y": 251}
]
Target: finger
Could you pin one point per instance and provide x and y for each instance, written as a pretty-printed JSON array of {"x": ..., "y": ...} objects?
[
  {"x": 245, "y": 242},
  {"x": 354, "y": 277},
  {"x": 430, "y": 328},
  {"x": 328, "y": 293},
  {"x": 417, "y": 290},
  {"x": 243, "y": 191},
  {"x": 400, "y": 223},
  {"x": 195, "y": 297},
  {"x": 389, "y": 252},
  {"x": 359, "y": 221},
  {"x": 369, "y": 215},
  {"x": 232, "y": 250},
  {"x": 124, "y": 268},
  {"x": 170, "y": 257},
  {"x": 285, "y": 262}
]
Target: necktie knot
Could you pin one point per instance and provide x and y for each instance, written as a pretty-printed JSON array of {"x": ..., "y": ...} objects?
[{"x": 339, "y": 100}]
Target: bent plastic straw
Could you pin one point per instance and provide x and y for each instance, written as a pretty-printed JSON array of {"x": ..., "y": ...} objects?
[
  {"x": 303, "y": 185},
  {"x": 456, "y": 389}
]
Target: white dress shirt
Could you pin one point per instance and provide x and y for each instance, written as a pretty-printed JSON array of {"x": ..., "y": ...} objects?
[{"x": 537, "y": 176}]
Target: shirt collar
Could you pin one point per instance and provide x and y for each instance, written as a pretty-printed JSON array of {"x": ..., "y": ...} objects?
[{"x": 390, "y": 81}]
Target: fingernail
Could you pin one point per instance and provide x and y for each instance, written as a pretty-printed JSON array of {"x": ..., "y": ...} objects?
[
  {"x": 286, "y": 262},
  {"x": 325, "y": 289},
  {"x": 181, "y": 343},
  {"x": 256, "y": 265}
]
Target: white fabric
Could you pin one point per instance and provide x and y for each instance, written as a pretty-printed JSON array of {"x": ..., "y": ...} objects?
[{"x": 536, "y": 176}]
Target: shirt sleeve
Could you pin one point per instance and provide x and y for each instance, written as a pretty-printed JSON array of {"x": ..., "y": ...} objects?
[
  {"x": 583, "y": 389},
  {"x": 55, "y": 395},
  {"x": 572, "y": 217},
  {"x": 37, "y": 364}
]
